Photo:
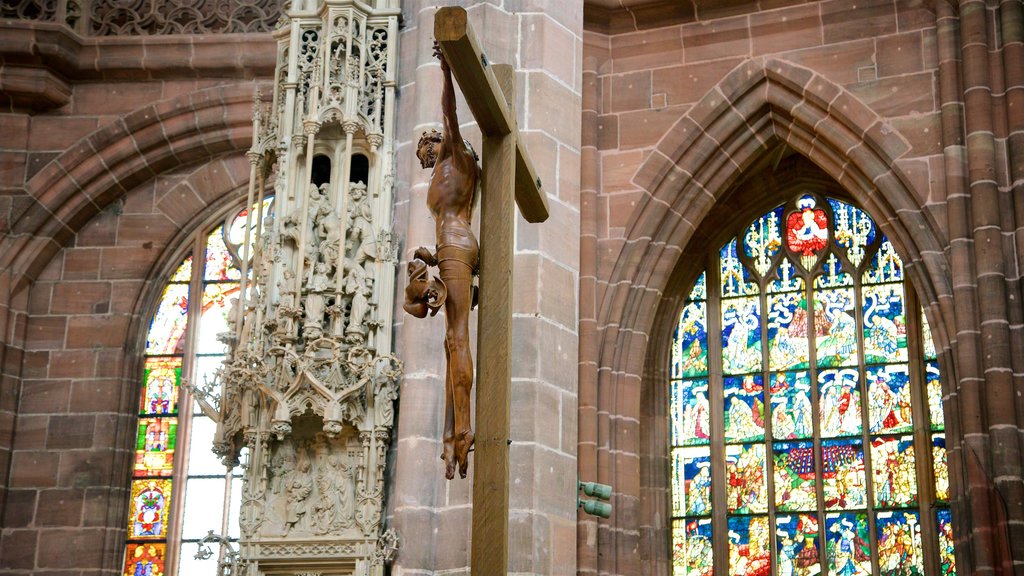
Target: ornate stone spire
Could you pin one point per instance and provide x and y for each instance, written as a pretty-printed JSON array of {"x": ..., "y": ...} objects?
[{"x": 306, "y": 397}]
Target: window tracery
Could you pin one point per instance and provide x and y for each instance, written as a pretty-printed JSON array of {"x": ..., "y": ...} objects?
[{"x": 799, "y": 366}]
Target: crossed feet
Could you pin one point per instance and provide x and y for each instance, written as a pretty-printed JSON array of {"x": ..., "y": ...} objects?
[{"x": 456, "y": 453}]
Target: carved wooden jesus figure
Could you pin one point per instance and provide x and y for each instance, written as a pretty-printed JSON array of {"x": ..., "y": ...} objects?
[{"x": 451, "y": 197}]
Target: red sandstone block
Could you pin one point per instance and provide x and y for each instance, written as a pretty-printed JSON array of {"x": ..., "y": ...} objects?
[
  {"x": 80, "y": 297},
  {"x": 630, "y": 91},
  {"x": 783, "y": 30},
  {"x": 844, "y": 20},
  {"x": 72, "y": 363},
  {"x": 81, "y": 264},
  {"x": 18, "y": 549},
  {"x": 98, "y": 395},
  {"x": 85, "y": 468},
  {"x": 115, "y": 98},
  {"x": 31, "y": 432},
  {"x": 59, "y": 132},
  {"x": 36, "y": 364},
  {"x": 73, "y": 548},
  {"x": 617, "y": 170},
  {"x": 180, "y": 204},
  {"x": 546, "y": 45},
  {"x": 646, "y": 50},
  {"x": 44, "y": 396},
  {"x": 12, "y": 166},
  {"x": 725, "y": 38},
  {"x": 97, "y": 331},
  {"x": 899, "y": 96},
  {"x": 15, "y": 127},
  {"x": 59, "y": 507},
  {"x": 621, "y": 207},
  {"x": 841, "y": 62},
  {"x": 643, "y": 129},
  {"x": 899, "y": 54},
  {"x": 569, "y": 165},
  {"x": 147, "y": 229},
  {"x": 555, "y": 109},
  {"x": 100, "y": 231},
  {"x": 45, "y": 332},
  {"x": 19, "y": 508},
  {"x": 126, "y": 262},
  {"x": 110, "y": 361},
  {"x": 34, "y": 469}
]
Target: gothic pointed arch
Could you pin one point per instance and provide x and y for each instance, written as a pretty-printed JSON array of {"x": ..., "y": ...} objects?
[{"x": 763, "y": 110}]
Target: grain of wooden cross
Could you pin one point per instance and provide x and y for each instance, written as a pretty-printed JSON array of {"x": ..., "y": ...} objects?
[{"x": 507, "y": 174}]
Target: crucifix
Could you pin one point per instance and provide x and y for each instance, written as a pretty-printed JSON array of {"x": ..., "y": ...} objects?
[{"x": 508, "y": 176}]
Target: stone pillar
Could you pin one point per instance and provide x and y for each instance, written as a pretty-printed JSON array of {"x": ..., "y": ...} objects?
[{"x": 543, "y": 42}]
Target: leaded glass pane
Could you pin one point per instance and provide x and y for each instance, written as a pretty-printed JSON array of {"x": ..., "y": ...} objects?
[
  {"x": 154, "y": 447},
  {"x": 161, "y": 379},
  {"x": 785, "y": 279},
  {"x": 184, "y": 272},
  {"x": 885, "y": 265},
  {"x": 236, "y": 230},
  {"x": 807, "y": 231},
  {"x": 797, "y": 545},
  {"x": 691, "y": 423},
  {"x": 691, "y": 475},
  {"x": 749, "y": 550},
  {"x": 947, "y": 561},
  {"x": 892, "y": 461},
  {"x": 741, "y": 335},
  {"x": 790, "y": 395},
  {"x": 854, "y": 230},
  {"x": 219, "y": 263},
  {"x": 745, "y": 470},
  {"x": 147, "y": 559},
  {"x": 201, "y": 460},
  {"x": 885, "y": 326},
  {"x": 795, "y": 488},
  {"x": 839, "y": 401},
  {"x": 934, "y": 387},
  {"x": 690, "y": 344},
  {"x": 762, "y": 240},
  {"x": 700, "y": 290},
  {"x": 168, "y": 327},
  {"x": 691, "y": 547},
  {"x": 847, "y": 546},
  {"x": 787, "y": 331},
  {"x": 926, "y": 339},
  {"x": 889, "y": 399},
  {"x": 899, "y": 543},
  {"x": 835, "y": 329},
  {"x": 147, "y": 518},
  {"x": 735, "y": 278},
  {"x": 744, "y": 408},
  {"x": 842, "y": 465},
  {"x": 217, "y": 301},
  {"x": 204, "y": 505},
  {"x": 940, "y": 467}
]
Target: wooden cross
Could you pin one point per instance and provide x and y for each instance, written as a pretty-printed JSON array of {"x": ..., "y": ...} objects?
[{"x": 507, "y": 174}]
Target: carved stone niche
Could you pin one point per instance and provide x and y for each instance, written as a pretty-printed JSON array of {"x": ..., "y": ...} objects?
[{"x": 316, "y": 505}]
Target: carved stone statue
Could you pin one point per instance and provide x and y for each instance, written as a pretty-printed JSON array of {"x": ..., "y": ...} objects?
[
  {"x": 451, "y": 197},
  {"x": 315, "y": 302}
]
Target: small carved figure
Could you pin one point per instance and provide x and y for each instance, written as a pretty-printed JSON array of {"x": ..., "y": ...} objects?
[
  {"x": 423, "y": 294},
  {"x": 299, "y": 487},
  {"x": 451, "y": 197},
  {"x": 315, "y": 301},
  {"x": 360, "y": 288},
  {"x": 330, "y": 231},
  {"x": 361, "y": 239}
]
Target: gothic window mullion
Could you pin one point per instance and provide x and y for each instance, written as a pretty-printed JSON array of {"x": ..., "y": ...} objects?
[{"x": 719, "y": 527}]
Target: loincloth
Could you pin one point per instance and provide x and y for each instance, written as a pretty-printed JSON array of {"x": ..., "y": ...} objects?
[{"x": 457, "y": 250}]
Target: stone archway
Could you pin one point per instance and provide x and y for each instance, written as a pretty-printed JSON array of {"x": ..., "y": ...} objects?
[{"x": 760, "y": 105}]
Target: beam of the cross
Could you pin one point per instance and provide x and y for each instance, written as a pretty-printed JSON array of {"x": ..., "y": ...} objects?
[
  {"x": 507, "y": 174},
  {"x": 486, "y": 101}
]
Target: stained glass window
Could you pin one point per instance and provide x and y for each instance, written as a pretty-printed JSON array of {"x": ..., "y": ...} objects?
[
  {"x": 797, "y": 386},
  {"x": 171, "y": 505}
]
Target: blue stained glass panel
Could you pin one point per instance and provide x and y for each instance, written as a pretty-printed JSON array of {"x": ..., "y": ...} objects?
[
  {"x": 899, "y": 543},
  {"x": 749, "y": 548},
  {"x": 797, "y": 545},
  {"x": 846, "y": 544},
  {"x": 947, "y": 560},
  {"x": 735, "y": 278},
  {"x": 835, "y": 328},
  {"x": 842, "y": 464},
  {"x": 833, "y": 274},
  {"x": 741, "y": 335},
  {"x": 787, "y": 331},
  {"x": 892, "y": 462},
  {"x": 785, "y": 279},
  {"x": 691, "y": 424},
  {"x": 746, "y": 473},
  {"x": 885, "y": 326},
  {"x": 691, "y": 547},
  {"x": 744, "y": 408},
  {"x": 690, "y": 342},
  {"x": 839, "y": 402},
  {"x": 794, "y": 476},
  {"x": 691, "y": 487},
  {"x": 700, "y": 288},
  {"x": 885, "y": 265},
  {"x": 889, "y": 399},
  {"x": 790, "y": 396},
  {"x": 762, "y": 240},
  {"x": 854, "y": 230}
]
